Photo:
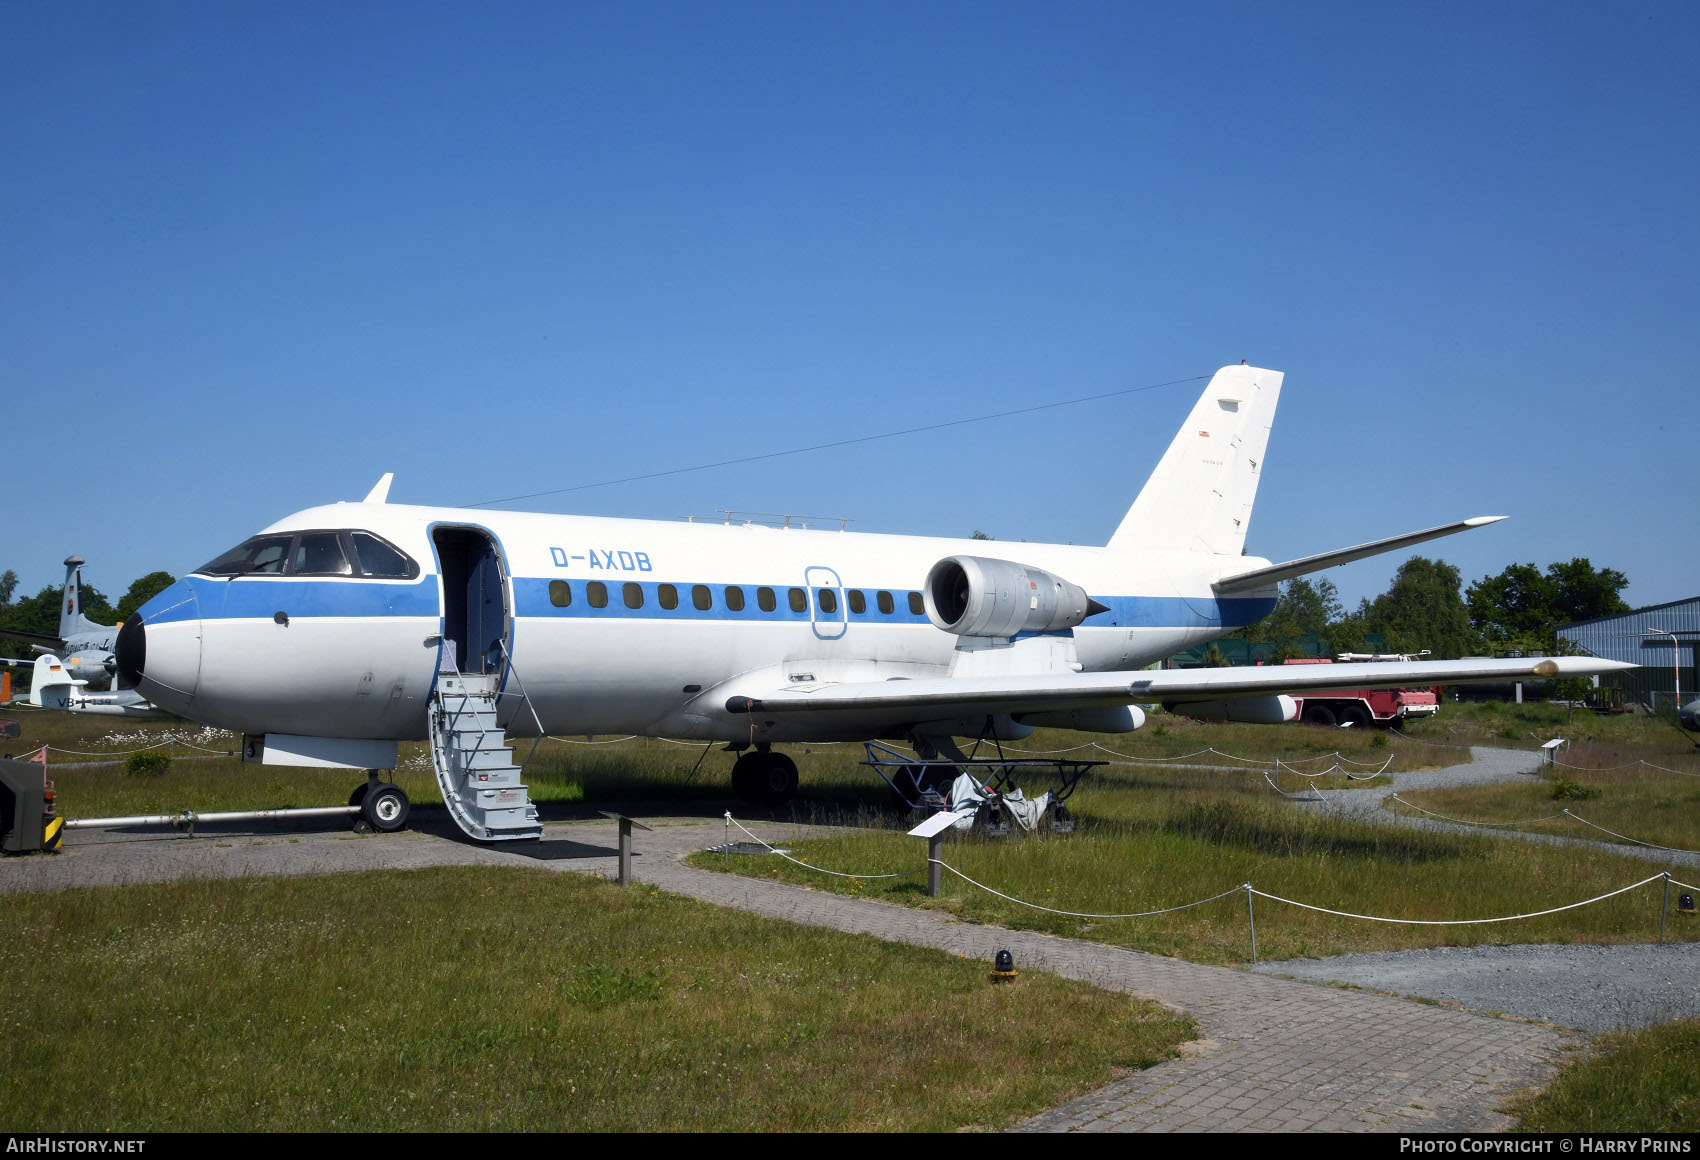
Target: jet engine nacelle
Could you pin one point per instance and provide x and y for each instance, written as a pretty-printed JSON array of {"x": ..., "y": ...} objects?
[
  {"x": 975, "y": 596},
  {"x": 1276, "y": 710}
]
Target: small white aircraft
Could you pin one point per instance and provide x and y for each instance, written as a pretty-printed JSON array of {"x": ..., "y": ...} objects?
[
  {"x": 341, "y": 630},
  {"x": 53, "y": 687}
]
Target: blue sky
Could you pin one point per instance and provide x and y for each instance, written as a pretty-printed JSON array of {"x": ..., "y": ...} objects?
[{"x": 254, "y": 255}]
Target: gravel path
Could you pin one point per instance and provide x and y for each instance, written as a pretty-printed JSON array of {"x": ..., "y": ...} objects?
[{"x": 1591, "y": 988}]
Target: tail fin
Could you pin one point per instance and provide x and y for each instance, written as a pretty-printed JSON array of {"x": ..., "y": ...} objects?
[
  {"x": 71, "y": 618},
  {"x": 51, "y": 684},
  {"x": 1200, "y": 496}
]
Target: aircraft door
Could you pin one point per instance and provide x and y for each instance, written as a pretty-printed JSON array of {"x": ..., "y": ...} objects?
[
  {"x": 827, "y": 613},
  {"x": 477, "y": 615}
]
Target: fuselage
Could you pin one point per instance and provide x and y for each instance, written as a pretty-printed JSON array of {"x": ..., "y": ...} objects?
[{"x": 604, "y": 625}]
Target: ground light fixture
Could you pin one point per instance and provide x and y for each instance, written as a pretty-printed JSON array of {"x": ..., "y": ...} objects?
[{"x": 1003, "y": 967}]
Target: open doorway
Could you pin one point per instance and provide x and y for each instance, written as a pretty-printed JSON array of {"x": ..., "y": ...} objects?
[{"x": 476, "y": 617}]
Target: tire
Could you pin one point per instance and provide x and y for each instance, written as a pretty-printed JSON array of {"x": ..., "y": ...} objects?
[
  {"x": 1355, "y": 716},
  {"x": 358, "y": 797},
  {"x": 744, "y": 776},
  {"x": 386, "y": 808},
  {"x": 1319, "y": 715},
  {"x": 776, "y": 780}
]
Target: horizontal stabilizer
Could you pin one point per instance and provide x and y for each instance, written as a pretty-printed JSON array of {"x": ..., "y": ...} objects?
[{"x": 1263, "y": 577}]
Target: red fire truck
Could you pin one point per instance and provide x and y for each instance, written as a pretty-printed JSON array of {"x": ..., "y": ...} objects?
[{"x": 1363, "y": 707}]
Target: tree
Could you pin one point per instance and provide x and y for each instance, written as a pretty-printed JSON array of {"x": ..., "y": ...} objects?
[
  {"x": 141, "y": 592},
  {"x": 1523, "y": 607},
  {"x": 8, "y": 585},
  {"x": 1422, "y": 609}
]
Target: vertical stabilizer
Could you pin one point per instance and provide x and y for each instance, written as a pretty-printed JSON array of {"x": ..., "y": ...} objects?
[
  {"x": 71, "y": 618},
  {"x": 1200, "y": 496}
]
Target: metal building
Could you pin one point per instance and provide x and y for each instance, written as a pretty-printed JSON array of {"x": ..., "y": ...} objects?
[{"x": 1662, "y": 639}]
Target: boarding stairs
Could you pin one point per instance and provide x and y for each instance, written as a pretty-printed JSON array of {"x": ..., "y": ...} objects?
[{"x": 475, "y": 769}]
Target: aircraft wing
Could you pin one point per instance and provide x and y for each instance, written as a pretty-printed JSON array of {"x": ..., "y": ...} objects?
[
  {"x": 54, "y": 643},
  {"x": 945, "y": 696}
]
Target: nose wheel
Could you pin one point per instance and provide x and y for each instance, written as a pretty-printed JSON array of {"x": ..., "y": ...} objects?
[{"x": 384, "y": 806}]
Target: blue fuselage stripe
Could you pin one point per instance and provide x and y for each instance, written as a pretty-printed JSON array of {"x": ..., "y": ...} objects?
[{"x": 251, "y": 597}]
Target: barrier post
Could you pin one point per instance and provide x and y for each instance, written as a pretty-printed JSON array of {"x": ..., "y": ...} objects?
[
  {"x": 1664, "y": 910},
  {"x": 1251, "y": 912},
  {"x": 935, "y": 871}
]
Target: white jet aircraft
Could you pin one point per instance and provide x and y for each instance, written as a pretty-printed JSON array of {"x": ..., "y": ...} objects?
[{"x": 341, "y": 630}]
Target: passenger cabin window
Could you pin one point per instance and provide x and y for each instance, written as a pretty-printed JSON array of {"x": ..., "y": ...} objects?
[
  {"x": 734, "y": 598},
  {"x": 799, "y": 602},
  {"x": 916, "y": 605},
  {"x": 560, "y": 593},
  {"x": 701, "y": 600},
  {"x": 667, "y": 595},
  {"x": 597, "y": 593},
  {"x": 765, "y": 600},
  {"x": 633, "y": 594},
  {"x": 827, "y": 599},
  {"x": 319, "y": 554},
  {"x": 886, "y": 606},
  {"x": 858, "y": 602}
]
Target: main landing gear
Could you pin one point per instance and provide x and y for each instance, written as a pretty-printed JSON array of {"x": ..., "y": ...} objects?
[
  {"x": 764, "y": 777},
  {"x": 383, "y": 805}
]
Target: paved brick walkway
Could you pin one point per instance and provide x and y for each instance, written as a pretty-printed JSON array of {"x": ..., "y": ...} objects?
[{"x": 1273, "y": 1054}]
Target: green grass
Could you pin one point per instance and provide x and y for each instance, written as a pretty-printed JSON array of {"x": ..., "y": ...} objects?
[
  {"x": 482, "y": 999},
  {"x": 1647, "y": 805},
  {"x": 1148, "y": 840},
  {"x": 1635, "y": 1081}
]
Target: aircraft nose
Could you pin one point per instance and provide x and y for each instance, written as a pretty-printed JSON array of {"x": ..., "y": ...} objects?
[{"x": 159, "y": 648}]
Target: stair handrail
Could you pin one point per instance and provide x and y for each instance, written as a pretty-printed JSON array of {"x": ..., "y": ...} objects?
[{"x": 525, "y": 697}]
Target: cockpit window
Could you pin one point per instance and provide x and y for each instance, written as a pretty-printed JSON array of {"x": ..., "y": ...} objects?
[
  {"x": 265, "y": 554},
  {"x": 319, "y": 554},
  {"x": 323, "y": 553}
]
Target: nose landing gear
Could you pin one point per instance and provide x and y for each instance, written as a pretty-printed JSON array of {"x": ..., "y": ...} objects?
[{"x": 384, "y": 806}]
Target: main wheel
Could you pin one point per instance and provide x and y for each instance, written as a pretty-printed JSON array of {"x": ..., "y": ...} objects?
[
  {"x": 386, "y": 808},
  {"x": 744, "y": 776},
  {"x": 776, "y": 779},
  {"x": 1319, "y": 715},
  {"x": 1354, "y": 715}
]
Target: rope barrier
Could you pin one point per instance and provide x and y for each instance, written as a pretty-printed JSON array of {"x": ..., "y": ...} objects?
[
  {"x": 570, "y": 741},
  {"x": 1626, "y": 765},
  {"x": 110, "y": 752},
  {"x": 1455, "y": 921},
  {"x": 1297, "y": 796},
  {"x": 1536, "y": 821},
  {"x": 1633, "y": 841},
  {"x": 816, "y": 869},
  {"x": 1080, "y": 914},
  {"x": 1250, "y": 891},
  {"x": 1465, "y": 822}
]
